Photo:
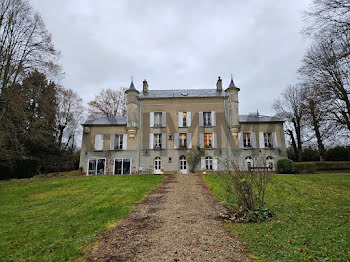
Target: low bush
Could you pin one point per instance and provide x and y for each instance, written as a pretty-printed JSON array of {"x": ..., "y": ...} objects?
[
  {"x": 305, "y": 167},
  {"x": 285, "y": 166}
]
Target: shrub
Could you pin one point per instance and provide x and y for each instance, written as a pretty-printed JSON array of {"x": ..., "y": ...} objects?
[
  {"x": 305, "y": 167},
  {"x": 338, "y": 153},
  {"x": 310, "y": 154},
  {"x": 193, "y": 156},
  {"x": 285, "y": 166}
]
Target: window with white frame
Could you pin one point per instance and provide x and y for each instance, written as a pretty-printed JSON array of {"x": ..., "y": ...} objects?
[
  {"x": 96, "y": 166},
  {"x": 183, "y": 140},
  {"x": 183, "y": 163},
  {"x": 269, "y": 162},
  {"x": 209, "y": 163},
  {"x": 118, "y": 142},
  {"x": 247, "y": 140},
  {"x": 268, "y": 139},
  {"x": 157, "y": 163},
  {"x": 208, "y": 140},
  {"x": 157, "y": 140},
  {"x": 184, "y": 119},
  {"x": 207, "y": 118},
  {"x": 157, "y": 119},
  {"x": 249, "y": 162}
]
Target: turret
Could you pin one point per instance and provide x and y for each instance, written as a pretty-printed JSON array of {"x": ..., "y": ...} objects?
[
  {"x": 132, "y": 109},
  {"x": 232, "y": 108}
]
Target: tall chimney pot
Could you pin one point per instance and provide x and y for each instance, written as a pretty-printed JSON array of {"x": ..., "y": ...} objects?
[
  {"x": 145, "y": 86},
  {"x": 219, "y": 85}
]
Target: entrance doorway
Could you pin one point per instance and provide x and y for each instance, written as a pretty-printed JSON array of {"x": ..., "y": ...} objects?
[
  {"x": 183, "y": 165},
  {"x": 122, "y": 166}
]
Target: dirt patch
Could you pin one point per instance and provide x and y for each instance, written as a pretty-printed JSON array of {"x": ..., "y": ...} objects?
[{"x": 176, "y": 222}]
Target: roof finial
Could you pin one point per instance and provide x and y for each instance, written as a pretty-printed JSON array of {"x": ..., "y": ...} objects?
[
  {"x": 257, "y": 112},
  {"x": 231, "y": 78}
]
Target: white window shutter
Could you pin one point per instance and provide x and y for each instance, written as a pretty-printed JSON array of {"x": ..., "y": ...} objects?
[
  {"x": 201, "y": 119},
  {"x": 151, "y": 119},
  {"x": 125, "y": 141},
  {"x": 274, "y": 137},
  {"x": 213, "y": 118},
  {"x": 215, "y": 163},
  {"x": 261, "y": 140},
  {"x": 214, "y": 142},
  {"x": 163, "y": 140},
  {"x": 253, "y": 138},
  {"x": 201, "y": 140},
  {"x": 189, "y": 140},
  {"x": 163, "y": 119},
  {"x": 151, "y": 137},
  {"x": 98, "y": 142},
  {"x": 240, "y": 140},
  {"x": 180, "y": 119},
  {"x": 112, "y": 141},
  {"x": 176, "y": 140},
  {"x": 188, "y": 119},
  {"x": 202, "y": 163}
]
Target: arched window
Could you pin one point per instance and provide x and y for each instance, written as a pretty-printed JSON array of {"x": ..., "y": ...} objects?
[
  {"x": 249, "y": 162},
  {"x": 209, "y": 163},
  {"x": 157, "y": 163},
  {"x": 269, "y": 162}
]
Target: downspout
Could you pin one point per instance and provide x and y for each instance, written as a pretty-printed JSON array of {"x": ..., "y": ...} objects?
[
  {"x": 226, "y": 133},
  {"x": 139, "y": 133}
]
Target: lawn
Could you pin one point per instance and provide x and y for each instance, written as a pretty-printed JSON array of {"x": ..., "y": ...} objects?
[
  {"x": 312, "y": 218},
  {"x": 58, "y": 219}
]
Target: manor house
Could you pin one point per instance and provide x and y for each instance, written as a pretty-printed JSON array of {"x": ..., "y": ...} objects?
[{"x": 161, "y": 126}]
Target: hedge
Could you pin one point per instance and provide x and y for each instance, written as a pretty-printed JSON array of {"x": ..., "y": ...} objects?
[{"x": 311, "y": 167}]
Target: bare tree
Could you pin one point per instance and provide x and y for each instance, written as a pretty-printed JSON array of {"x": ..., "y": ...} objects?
[
  {"x": 109, "y": 103},
  {"x": 68, "y": 115},
  {"x": 325, "y": 65},
  {"x": 25, "y": 44},
  {"x": 290, "y": 107}
]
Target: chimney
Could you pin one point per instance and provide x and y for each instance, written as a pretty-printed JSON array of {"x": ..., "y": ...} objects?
[
  {"x": 219, "y": 85},
  {"x": 145, "y": 86}
]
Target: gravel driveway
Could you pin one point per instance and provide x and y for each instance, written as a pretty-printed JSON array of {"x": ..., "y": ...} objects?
[{"x": 176, "y": 222}]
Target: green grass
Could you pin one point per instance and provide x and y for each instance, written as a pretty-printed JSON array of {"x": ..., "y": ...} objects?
[
  {"x": 59, "y": 219},
  {"x": 59, "y": 174},
  {"x": 312, "y": 218}
]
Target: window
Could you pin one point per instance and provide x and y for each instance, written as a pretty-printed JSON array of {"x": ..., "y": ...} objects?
[
  {"x": 170, "y": 137},
  {"x": 207, "y": 118},
  {"x": 209, "y": 163},
  {"x": 184, "y": 119},
  {"x": 268, "y": 139},
  {"x": 118, "y": 142},
  {"x": 183, "y": 140},
  {"x": 183, "y": 163},
  {"x": 208, "y": 140},
  {"x": 157, "y": 140},
  {"x": 122, "y": 166},
  {"x": 269, "y": 162},
  {"x": 96, "y": 166},
  {"x": 249, "y": 162},
  {"x": 247, "y": 140},
  {"x": 157, "y": 163},
  {"x": 158, "y": 119}
]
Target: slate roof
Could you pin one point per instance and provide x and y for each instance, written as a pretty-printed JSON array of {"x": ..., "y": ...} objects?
[
  {"x": 132, "y": 87},
  {"x": 181, "y": 93},
  {"x": 106, "y": 121},
  {"x": 121, "y": 120},
  {"x": 258, "y": 119}
]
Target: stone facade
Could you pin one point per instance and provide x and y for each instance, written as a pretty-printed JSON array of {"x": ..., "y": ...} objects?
[{"x": 207, "y": 118}]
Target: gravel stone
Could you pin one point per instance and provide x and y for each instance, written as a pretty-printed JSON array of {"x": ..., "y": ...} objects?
[{"x": 177, "y": 222}]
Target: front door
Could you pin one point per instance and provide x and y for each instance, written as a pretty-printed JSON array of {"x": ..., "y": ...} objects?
[{"x": 183, "y": 165}]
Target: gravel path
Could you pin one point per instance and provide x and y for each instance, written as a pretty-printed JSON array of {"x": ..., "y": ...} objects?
[{"x": 176, "y": 222}]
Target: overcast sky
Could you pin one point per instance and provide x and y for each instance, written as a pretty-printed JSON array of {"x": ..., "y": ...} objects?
[{"x": 179, "y": 45}]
